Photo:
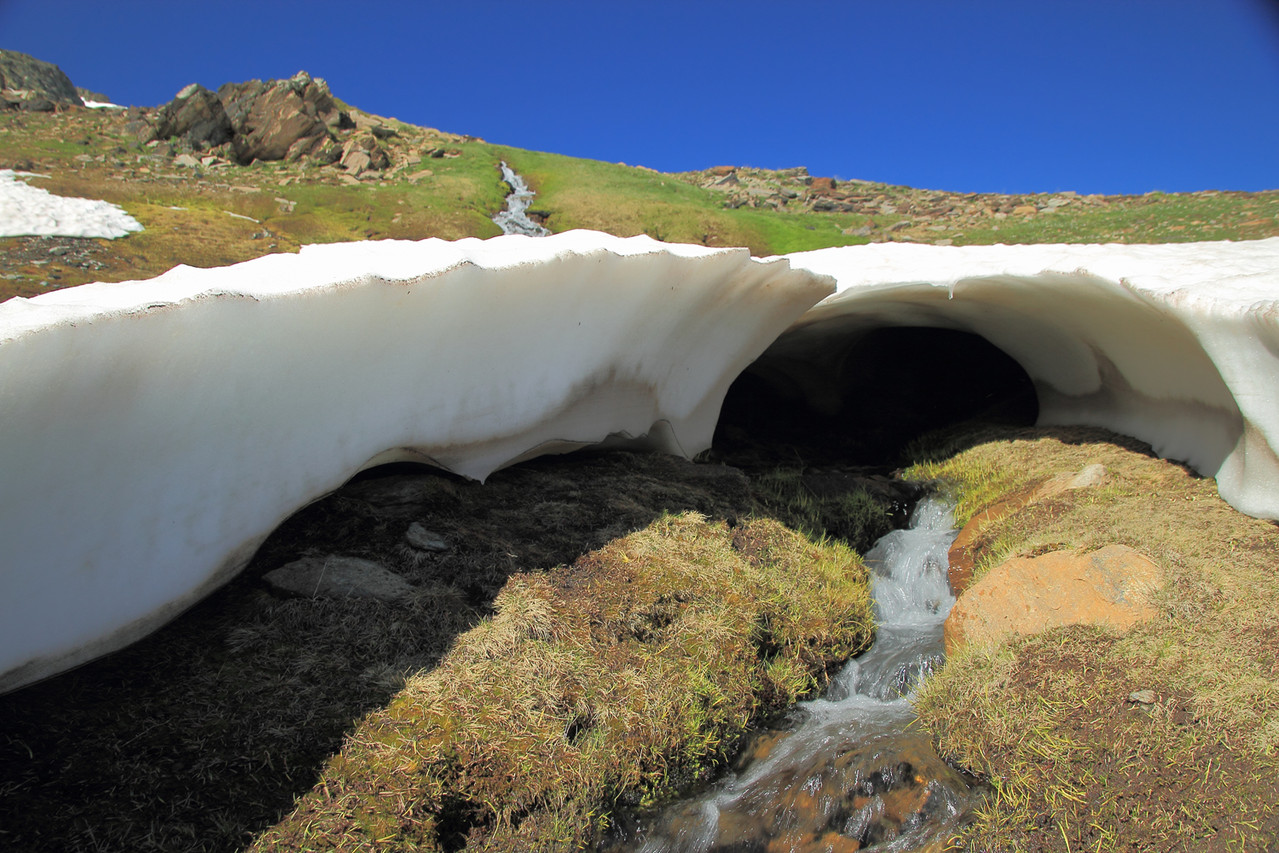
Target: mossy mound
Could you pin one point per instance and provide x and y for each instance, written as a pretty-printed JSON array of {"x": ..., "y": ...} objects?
[{"x": 619, "y": 679}]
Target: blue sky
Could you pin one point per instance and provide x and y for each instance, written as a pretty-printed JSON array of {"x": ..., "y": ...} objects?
[{"x": 1114, "y": 96}]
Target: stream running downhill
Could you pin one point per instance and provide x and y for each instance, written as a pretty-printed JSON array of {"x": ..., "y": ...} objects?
[
  {"x": 515, "y": 219},
  {"x": 846, "y": 772}
]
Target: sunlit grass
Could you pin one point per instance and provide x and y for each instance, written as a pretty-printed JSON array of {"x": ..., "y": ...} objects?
[{"x": 1076, "y": 764}]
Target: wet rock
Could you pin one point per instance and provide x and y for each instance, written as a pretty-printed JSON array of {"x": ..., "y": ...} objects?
[
  {"x": 338, "y": 577},
  {"x": 851, "y": 797},
  {"x": 1109, "y": 587},
  {"x": 196, "y": 116}
]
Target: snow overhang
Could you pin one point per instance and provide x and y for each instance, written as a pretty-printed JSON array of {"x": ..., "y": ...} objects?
[
  {"x": 153, "y": 433},
  {"x": 1177, "y": 345}
]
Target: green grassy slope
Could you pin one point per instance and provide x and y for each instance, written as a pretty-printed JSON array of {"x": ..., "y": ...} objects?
[{"x": 448, "y": 186}]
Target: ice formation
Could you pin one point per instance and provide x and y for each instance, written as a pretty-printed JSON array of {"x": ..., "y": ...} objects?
[
  {"x": 153, "y": 433},
  {"x": 1177, "y": 345},
  {"x": 30, "y": 211}
]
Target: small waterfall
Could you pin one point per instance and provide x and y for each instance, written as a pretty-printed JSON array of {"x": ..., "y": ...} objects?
[
  {"x": 514, "y": 220},
  {"x": 845, "y": 773}
]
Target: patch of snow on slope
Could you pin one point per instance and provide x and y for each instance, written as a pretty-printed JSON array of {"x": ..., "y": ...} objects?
[
  {"x": 1175, "y": 344},
  {"x": 153, "y": 433},
  {"x": 30, "y": 211}
]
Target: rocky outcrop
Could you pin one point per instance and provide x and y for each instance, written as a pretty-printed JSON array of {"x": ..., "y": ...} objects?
[
  {"x": 281, "y": 119},
  {"x": 271, "y": 120},
  {"x": 32, "y": 84},
  {"x": 1109, "y": 587},
  {"x": 197, "y": 117}
]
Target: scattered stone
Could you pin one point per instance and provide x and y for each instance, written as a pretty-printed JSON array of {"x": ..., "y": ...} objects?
[
  {"x": 1025, "y": 210},
  {"x": 1109, "y": 587},
  {"x": 186, "y": 160},
  {"x": 863, "y": 231},
  {"x": 417, "y": 176},
  {"x": 362, "y": 153},
  {"x": 1086, "y": 478},
  {"x": 425, "y": 540},
  {"x": 900, "y": 226},
  {"x": 338, "y": 577},
  {"x": 1142, "y": 697}
]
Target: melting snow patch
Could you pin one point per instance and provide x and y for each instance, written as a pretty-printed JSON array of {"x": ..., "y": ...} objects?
[
  {"x": 153, "y": 433},
  {"x": 30, "y": 211}
]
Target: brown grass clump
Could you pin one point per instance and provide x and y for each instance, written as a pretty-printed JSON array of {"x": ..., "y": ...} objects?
[
  {"x": 1076, "y": 762},
  {"x": 616, "y": 680}
]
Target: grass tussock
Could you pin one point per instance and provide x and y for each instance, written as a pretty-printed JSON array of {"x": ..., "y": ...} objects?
[
  {"x": 1075, "y": 762},
  {"x": 855, "y": 517},
  {"x": 616, "y": 680}
]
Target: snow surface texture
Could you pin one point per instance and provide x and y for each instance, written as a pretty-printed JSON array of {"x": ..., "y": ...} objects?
[
  {"x": 153, "y": 433},
  {"x": 1177, "y": 345},
  {"x": 30, "y": 211}
]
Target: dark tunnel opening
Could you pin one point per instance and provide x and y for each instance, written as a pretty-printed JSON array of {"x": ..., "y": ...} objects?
[{"x": 888, "y": 387}]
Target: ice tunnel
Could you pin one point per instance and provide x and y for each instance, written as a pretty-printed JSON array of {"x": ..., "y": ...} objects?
[
  {"x": 1177, "y": 345},
  {"x": 860, "y": 393},
  {"x": 152, "y": 434}
]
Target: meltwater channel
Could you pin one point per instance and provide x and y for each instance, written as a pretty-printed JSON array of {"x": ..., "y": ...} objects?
[{"x": 846, "y": 772}]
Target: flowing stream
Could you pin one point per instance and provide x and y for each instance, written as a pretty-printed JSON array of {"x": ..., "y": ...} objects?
[
  {"x": 846, "y": 773},
  {"x": 514, "y": 220}
]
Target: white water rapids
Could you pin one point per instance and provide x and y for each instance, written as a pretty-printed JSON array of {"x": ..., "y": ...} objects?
[
  {"x": 845, "y": 774},
  {"x": 514, "y": 220}
]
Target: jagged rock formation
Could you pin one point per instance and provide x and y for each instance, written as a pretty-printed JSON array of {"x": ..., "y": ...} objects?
[
  {"x": 32, "y": 84},
  {"x": 256, "y": 120},
  {"x": 197, "y": 117},
  {"x": 281, "y": 119}
]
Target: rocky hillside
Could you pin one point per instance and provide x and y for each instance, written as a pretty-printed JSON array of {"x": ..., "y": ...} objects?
[
  {"x": 905, "y": 214},
  {"x": 218, "y": 177}
]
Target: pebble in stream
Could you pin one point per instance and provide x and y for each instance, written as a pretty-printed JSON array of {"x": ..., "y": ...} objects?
[{"x": 846, "y": 774}]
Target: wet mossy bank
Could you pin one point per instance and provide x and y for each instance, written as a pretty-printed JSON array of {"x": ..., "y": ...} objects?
[
  {"x": 618, "y": 610},
  {"x": 1163, "y": 736},
  {"x": 297, "y": 723}
]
